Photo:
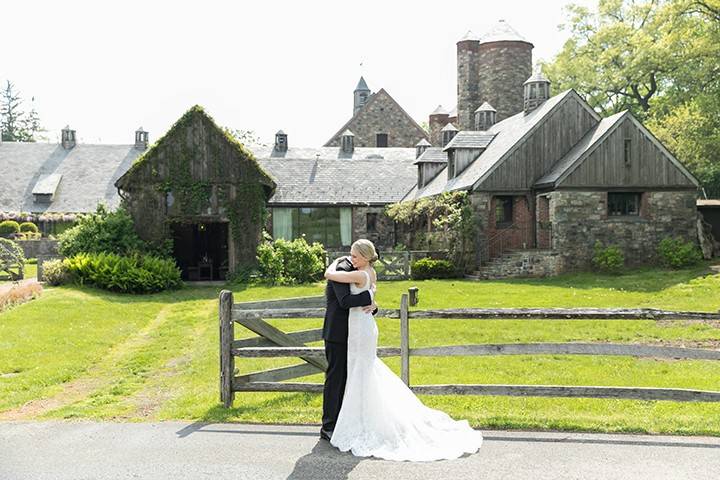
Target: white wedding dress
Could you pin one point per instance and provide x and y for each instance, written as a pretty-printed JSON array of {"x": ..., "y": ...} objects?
[{"x": 381, "y": 417}]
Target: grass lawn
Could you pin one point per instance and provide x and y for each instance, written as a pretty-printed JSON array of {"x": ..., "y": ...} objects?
[{"x": 85, "y": 353}]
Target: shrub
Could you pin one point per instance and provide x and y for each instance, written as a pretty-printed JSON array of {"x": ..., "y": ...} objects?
[
  {"x": 9, "y": 227},
  {"x": 135, "y": 273},
  {"x": 102, "y": 231},
  {"x": 55, "y": 272},
  {"x": 430, "y": 268},
  {"x": 675, "y": 253},
  {"x": 283, "y": 262},
  {"x": 609, "y": 259},
  {"x": 28, "y": 227}
]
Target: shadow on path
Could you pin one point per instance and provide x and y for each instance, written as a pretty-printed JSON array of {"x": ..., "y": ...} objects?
[{"x": 324, "y": 462}]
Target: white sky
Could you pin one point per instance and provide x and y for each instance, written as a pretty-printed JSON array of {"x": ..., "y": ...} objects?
[{"x": 106, "y": 68}]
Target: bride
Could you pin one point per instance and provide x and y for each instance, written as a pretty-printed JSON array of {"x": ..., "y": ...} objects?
[{"x": 380, "y": 416}]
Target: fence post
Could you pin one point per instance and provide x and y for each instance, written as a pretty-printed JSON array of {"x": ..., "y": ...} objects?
[
  {"x": 413, "y": 291},
  {"x": 406, "y": 258},
  {"x": 404, "y": 340},
  {"x": 227, "y": 360}
]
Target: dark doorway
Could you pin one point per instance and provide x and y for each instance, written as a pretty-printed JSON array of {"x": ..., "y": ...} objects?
[{"x": 201, "y": 250}]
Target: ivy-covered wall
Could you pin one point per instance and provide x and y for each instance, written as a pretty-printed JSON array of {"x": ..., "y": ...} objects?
[{"x": 197, "y": 173}]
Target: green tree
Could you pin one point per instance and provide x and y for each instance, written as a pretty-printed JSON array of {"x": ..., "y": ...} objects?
[{"x": 16, "y": 125}]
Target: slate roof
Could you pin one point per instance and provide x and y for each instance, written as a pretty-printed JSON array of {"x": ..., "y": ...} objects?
[
  {"x": 432, "y": 155},
  {"x": 362, "y": 85},
  {"x": 88, "y": 174},
  {"x": 502, "y": 32},
  {"x": 470, "y": 139},
  {"x": 508, "y": 134},
  {"x": 326, "y": 175},
  {"x": 584, "y": 146}
]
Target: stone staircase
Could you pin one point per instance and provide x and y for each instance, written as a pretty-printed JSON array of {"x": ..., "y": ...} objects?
[{"x": 519, "y": 263}]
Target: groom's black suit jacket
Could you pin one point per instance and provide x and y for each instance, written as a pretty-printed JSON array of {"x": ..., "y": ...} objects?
[{"x": 339, "y": 301}]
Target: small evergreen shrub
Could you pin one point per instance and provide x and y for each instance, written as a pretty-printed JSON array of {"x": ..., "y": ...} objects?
[
  {"x": 135, "y": 273},
  {"x": 28, "y": 227},
  {"x": 430, "y": 268},
  {"x": 102, "y": 231},
  {"x": 675, "y": 253},
  {"x": 55, "y": 272},
  {"x": 609, "y": 259},
  {"x": 8, "y": 227},
  {"x": 282, "y": 262}
]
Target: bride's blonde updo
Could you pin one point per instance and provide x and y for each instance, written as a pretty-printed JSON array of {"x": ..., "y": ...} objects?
[{"x": 365, "y": 249}]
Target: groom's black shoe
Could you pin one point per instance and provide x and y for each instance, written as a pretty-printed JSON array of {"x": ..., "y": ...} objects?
[{"x": 325, "y": 434}]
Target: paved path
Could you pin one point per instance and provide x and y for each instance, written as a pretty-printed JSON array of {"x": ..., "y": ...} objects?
[{"x": 176, "y": 450}]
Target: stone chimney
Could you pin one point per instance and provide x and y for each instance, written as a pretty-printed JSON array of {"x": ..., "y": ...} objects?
[
  {"x": 67, "y": 137},
  {"x": 420, "y": 148},
  {"x": 141, "y": 139},
  {"x": 347, "y": 141},
  {"x": 448, "y": 133},
  {"x": 437, "y": 120},
  {"x": 281, "y": 141}
]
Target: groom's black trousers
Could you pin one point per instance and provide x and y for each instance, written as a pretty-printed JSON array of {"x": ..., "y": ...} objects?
[{"x": 335, "y": 378}]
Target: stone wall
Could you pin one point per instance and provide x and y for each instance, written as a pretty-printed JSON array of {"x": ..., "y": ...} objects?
[
  {"x": 36, "y": 248},
  {"x": 523, "y": 263},
  {"x": 503, "y": 68},
  {"x": 382, "y": 115},
  {"x": 384, "y": 234},
  {"x": 579, "y": 218}
]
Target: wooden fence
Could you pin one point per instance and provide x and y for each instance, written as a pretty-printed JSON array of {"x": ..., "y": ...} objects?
[
  {"x": 395, "y": 265},
  {"x": 273, "y": 342}
]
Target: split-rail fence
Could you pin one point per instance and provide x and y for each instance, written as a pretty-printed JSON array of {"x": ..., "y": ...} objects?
[{"x": 273, "y": 342}]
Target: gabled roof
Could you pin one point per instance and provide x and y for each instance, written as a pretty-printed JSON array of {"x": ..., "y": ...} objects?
[
  {"x": 509, "y": 134},
  {"x": 592, "y": 140},
  {"x": 85, "y": 175},
  {"x": 373, "y": 98},
  {"x": 326, "y": 175},
  {"x": 586, "y": 145},
  {"x": 432, "y": 155},
  {"x": 470, "y": 139}
]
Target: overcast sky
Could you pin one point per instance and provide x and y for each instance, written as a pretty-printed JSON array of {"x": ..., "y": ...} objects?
[{"x": 107, "y": 68}]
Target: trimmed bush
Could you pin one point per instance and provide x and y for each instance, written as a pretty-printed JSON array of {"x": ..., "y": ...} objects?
[
  {"x": 282, "y": 262},
  {"x": 609, "y": 259},
  {"x": 28, "y": 227},
  {"x": 8, "y": 227},
  {"x": 130, "y": 274},
  {"x": 675, "y": 253},
  {"x": 430, "y": 268},
  {"x": 102, "y": 231},
  {"x": 55, "y": 272},
  {"x": 11, "y": 252}
]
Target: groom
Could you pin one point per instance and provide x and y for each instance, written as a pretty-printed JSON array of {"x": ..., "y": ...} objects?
[{"x": 335, "y": 333}]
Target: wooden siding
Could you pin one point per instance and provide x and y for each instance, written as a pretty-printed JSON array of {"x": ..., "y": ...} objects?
[
  {"x": 464, "y": 157},
  {"x": 542, "y": 148},
  {"x": 648, "y": 165}
]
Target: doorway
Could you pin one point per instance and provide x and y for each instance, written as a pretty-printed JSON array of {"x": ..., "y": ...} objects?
[{"x": 201, "y": 250}]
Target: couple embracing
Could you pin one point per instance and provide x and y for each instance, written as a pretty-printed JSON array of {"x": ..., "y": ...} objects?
[{"x": 367, "y": 409}]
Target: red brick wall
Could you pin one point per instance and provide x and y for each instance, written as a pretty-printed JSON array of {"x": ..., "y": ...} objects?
[{"x": 516, "y": 236}]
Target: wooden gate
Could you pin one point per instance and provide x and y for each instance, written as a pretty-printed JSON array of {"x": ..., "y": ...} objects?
[{"x": 275, "y": 343}]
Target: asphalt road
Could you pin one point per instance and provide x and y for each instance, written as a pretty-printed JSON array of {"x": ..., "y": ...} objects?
[{"x": 176, "y": 450}]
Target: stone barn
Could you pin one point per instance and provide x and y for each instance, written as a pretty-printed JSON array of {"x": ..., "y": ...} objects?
[{"x": 200, "y": 188}]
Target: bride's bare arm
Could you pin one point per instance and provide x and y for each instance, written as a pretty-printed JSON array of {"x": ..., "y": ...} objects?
[{"x": 333, "y": 274}]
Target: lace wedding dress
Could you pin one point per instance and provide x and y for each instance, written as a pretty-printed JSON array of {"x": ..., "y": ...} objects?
[{"x": 381, "y": 417}]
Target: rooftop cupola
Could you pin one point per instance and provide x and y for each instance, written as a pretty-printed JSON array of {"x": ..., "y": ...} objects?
[
  {"x": 448, "y": 133},
  {"x": 536, "y": 91},
  {"x": 421, "y": 146},
  {"x": 67, "y": 138},
  {"x": 347, "y": 142},
  {"x": 360, "y": 95},
  {"x": 485, "y": 116},
  {"x": 281, "y": 141},
  {"x": 141, "y": 139}
]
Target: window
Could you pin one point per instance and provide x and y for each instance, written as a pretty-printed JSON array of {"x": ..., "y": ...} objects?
[
  {"x": 503, "y": 210},
  {"x": 371, "y": 225},
  {"x": 451, "y": 164},
  {"x": 623, "y": 204},
  {"x": 627, "y": 152},
  {"x": 381, "y": 140},
  {"x": 329, "y": 226}
]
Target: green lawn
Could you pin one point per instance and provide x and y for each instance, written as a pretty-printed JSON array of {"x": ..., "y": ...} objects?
[{"x": 95, "y": 355}]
